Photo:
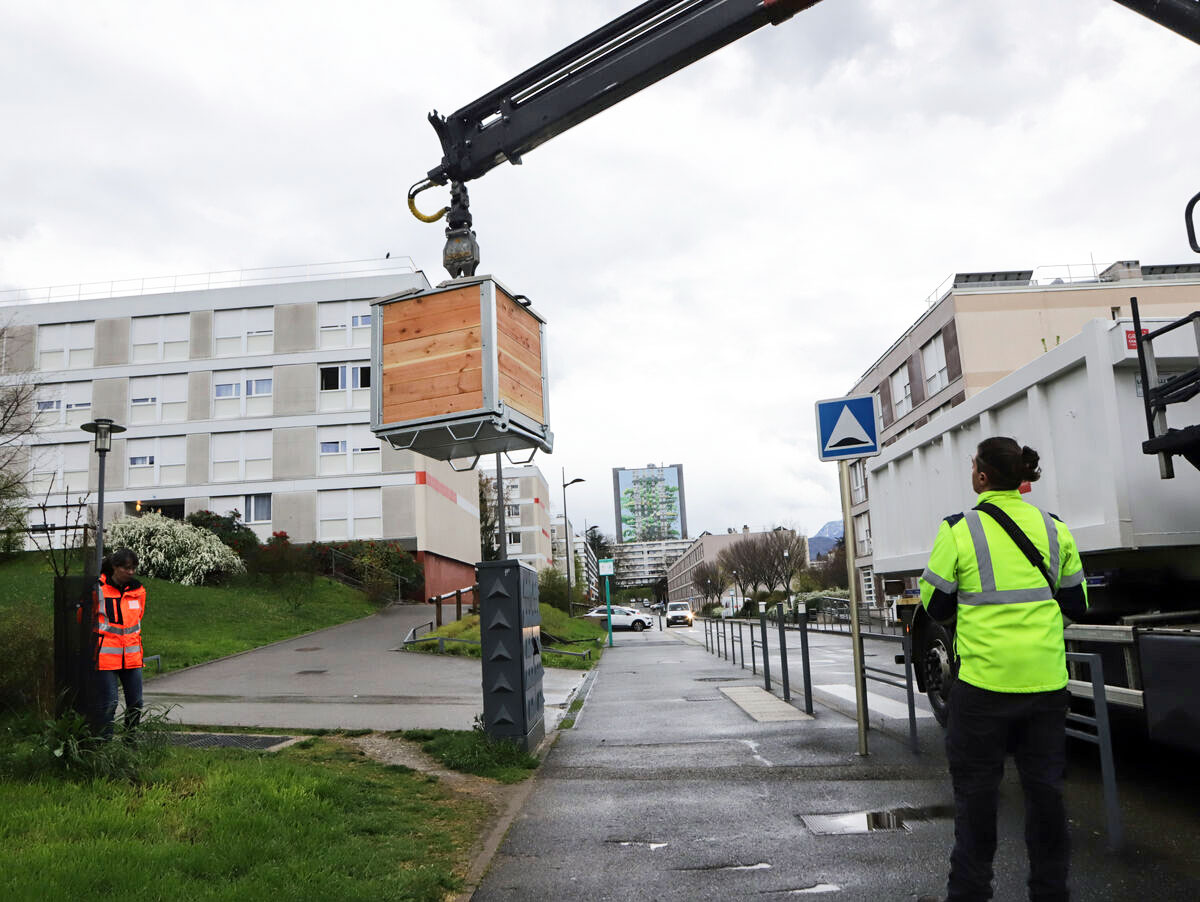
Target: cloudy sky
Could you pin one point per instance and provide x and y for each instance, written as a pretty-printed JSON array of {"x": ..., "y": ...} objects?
[{"x": 712, "y": 255}]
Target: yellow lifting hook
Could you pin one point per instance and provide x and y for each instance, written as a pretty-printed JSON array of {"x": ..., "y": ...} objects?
[{"x": 412, "y": 201}]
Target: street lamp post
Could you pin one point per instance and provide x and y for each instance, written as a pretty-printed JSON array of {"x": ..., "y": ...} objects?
[
  {"x": 569, "y": 539},
  {"x": 104, "y": 429}
]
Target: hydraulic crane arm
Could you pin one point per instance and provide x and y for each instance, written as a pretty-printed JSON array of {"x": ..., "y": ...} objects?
[{"x": 616, "y": 61}]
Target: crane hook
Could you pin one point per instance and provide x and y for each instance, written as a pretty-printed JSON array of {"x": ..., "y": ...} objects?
[{"x": 416, "y": 189}]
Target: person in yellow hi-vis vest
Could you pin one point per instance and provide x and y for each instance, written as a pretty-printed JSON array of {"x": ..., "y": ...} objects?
[{"x": 1009, "y": 573}]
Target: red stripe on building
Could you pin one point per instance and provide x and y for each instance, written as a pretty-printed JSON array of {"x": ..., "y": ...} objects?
[{"x": 423, "y": 478}]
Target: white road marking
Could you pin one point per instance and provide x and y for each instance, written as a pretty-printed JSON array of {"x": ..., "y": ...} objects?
[{"x": 876, "y": 704}]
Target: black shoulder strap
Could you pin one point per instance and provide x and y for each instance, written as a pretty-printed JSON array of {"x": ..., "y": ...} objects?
[{"x": 1022, "y": 541}]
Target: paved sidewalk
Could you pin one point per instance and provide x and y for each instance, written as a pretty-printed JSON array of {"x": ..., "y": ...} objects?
[
  {"x": 351, "y": 676},
  {"x": 667, "y": 788}
]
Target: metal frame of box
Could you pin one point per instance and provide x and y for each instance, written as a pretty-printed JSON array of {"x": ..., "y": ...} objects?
[{"x": 494, "y": 427}]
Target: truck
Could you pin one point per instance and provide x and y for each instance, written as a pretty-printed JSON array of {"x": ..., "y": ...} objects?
[{"x": 1082, "y": 406}]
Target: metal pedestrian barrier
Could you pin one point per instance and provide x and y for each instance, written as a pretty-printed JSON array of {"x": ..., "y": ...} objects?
[{"x": 1101, "y": 738}]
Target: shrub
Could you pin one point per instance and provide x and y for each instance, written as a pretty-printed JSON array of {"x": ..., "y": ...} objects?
[
  {"x": 173, "y": 550},
  {"x": 229, "y": 528},
  {"x": 284, "y": 567},
  {"x": 552, "y": 588},
  {"x": 27, "y": 665},
  {"x": 389, "y": 556},
  {"x": 67, "y": 747}
]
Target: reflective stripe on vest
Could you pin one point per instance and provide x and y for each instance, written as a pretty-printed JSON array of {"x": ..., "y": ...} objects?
[
  {"x": 118, "y": 630},
  {"x": 989, "y": 594}
]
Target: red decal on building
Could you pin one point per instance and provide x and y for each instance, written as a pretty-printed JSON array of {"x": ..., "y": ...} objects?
[
  {"x": 423, "y": 478},
  {"x": 1131, "y": 340}
]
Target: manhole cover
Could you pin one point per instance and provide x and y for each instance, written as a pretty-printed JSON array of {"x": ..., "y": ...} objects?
[
  {"x": 310, "y": 648},
  {"x": 873, "y": 821},
  {"x": 304, "y": 672},
  {"x": 227, "y": 741}
]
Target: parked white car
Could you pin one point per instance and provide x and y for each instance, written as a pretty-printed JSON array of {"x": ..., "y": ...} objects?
[{"x": 622, "y": 618}]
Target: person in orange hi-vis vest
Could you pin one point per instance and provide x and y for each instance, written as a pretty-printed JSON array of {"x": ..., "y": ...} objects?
[{"x": 118, "y": 641}]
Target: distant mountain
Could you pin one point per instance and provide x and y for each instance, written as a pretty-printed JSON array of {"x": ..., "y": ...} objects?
[
  {"x": 825, "y": 539},
  {"x": 831, "y": 530}
]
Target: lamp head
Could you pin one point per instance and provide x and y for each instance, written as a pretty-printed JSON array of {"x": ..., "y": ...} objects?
[{"x": 104, "y": 429}]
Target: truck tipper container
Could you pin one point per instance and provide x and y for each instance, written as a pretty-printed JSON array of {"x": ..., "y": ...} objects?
[{"x": 1080, "y": 406}]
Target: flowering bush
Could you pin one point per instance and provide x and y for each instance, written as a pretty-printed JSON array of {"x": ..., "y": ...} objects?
[
  {"x": 171, "y": 549},
  {"x": 229, "y": 528}
]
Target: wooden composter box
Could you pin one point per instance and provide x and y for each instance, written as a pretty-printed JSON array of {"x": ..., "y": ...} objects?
[{"x": 459, "y": 371}]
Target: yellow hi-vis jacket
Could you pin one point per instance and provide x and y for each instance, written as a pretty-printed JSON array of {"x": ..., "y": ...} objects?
[{"x": 1009, "y": 635}]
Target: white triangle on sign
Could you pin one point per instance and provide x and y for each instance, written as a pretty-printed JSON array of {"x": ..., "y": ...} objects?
[{"x": 848, "y": 432}]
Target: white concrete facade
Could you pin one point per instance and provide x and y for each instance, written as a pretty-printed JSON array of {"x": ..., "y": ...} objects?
[{"x": 252, "y": 398}]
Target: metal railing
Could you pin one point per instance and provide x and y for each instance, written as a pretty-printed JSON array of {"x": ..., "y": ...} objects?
[
  {"x": 1102, "y": 738},
  {"x": 720, "y": 639},
  {"x": 457, "y": 595},
  {"x": 348, "y": 572}
]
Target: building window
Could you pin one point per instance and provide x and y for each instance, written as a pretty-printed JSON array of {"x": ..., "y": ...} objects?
[
  {"x": 862, "y": 534},
  {"x": 238, "y": 456},
  {"x": 156, "y": 461},
  {"x": 59, "y": 468},
  {"x": 350, "y": 514},
  {"x": 158, "y": 399},
  {"x": 512, "y": 510},
  {"x": 901, "y": 392},
  {"x": 258, "y": 509},
  {"x": 242, "y": 393},
  {"x": 344, "y": 386},
  {"x": 66, "y": 346},
  {"x": 933, "y": 359},
  {"x": 237, "y": 332},
  {"x": 344, "y": 324},
  {"x": 858, "y": 482},
  {"x": 159, "y": 337},
  {"x": 67, "y": 403},
  {"x": 514, "y": 538},
  {"x": 347, "y": 449},
  {"x": 868, "y": 585}
]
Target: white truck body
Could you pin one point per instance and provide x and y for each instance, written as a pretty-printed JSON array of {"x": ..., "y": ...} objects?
[{"x": 1080, "y": 407}]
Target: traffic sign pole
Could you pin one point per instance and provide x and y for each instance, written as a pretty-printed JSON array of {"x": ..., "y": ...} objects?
[{"x": 860, "y": 683}]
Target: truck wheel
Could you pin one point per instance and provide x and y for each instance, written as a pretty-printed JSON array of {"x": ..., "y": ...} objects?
[{"x": 935, "y": 659}]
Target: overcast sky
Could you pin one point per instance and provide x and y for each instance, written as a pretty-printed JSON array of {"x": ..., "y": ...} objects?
[{"x": 713, "y": 255}]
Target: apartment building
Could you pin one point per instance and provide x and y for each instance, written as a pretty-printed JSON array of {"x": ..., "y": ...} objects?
[
  {"x": 527, "y": 517},
  {"x": 249, "y": 397},
  {"x": 978, "y": 328},
  {"x": 706, "y": 547},
  {"x": 643, "y": 563}
]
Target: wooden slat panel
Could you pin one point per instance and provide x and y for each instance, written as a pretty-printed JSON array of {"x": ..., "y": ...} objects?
[
  {"x": 512, "y": 320},
  {"x": 414, "y": 320},
  {"x": 433, "y": 346},
  {"x": 402, "y": 391},
  {"x": 506, "y": 344},
  {"x": 419, "y": 410},
  {"x": 516, "y": 369},
  {"x": 397, "y": 313},
  {"x": 520, "y": 398},
  {"x": 435, "y": 366}
]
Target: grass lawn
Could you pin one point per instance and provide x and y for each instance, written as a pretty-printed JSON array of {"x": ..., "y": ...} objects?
[
  {"x": 554, "y": 622},
  {"x": 192, "y": 624},
  {"x": 318, "y": 820}
]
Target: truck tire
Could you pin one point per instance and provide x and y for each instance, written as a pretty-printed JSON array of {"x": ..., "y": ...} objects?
[{"x": 934, "y": 657}]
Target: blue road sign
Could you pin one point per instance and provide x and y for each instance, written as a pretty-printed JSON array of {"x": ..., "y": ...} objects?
[{"x": 846, "y": 428}]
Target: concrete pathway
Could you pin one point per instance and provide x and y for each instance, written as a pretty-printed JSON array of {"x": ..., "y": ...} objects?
[{"x": 351, "y": 676}]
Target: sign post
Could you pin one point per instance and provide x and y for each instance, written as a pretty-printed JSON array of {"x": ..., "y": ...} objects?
[
  {"x": 846, "y": 430},
  {"x": 606, "y": 570}
]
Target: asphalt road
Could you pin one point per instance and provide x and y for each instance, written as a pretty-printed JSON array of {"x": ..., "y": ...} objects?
[{"x": 668, "y": 787}]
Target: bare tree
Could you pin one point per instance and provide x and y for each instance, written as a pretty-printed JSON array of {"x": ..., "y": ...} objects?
[
  {"x": 488, "y": 549},
  {"x": 785, "y": 554},
  {"x": 742, "y": 562},
  {"x": 710, "y": 580},
  {"x": 18, "y": 424}
]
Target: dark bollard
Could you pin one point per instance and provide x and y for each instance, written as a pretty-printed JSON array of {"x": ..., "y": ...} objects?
[
  {"x": 906, "y": 645},
  {"x": 808, "y": 708},
  {"x": 437, "y": 611},
  {"x": 783, "y": 665},
  {"x": 762, "y": 624},
  {"x": 458, "y": 604}
]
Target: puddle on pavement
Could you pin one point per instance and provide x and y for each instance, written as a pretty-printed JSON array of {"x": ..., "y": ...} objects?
[
  {"x": 817, "y": 888},
  {"x": 760, "y": 866},
  {"x": 718, "y": 679},
  {"x": 309, "y": 672},
  {"x": 650, "y": 844},
  {"x": 874, "y": 821},
  {"x": 310, "y": 648}
]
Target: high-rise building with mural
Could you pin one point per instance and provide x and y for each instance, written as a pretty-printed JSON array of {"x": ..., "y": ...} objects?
[{"x": 649, "y": 503}]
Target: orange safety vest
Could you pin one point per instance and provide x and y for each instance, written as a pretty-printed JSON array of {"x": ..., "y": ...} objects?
[{"x": 119, "y": 625}]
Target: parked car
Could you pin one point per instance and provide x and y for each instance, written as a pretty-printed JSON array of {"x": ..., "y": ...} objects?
[
  {"x": 679, "y": 612},
  {"x": 622, "y": 618}
]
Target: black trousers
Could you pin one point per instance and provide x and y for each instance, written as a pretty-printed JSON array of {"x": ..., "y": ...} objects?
[{"x": 984, "y": 726}]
